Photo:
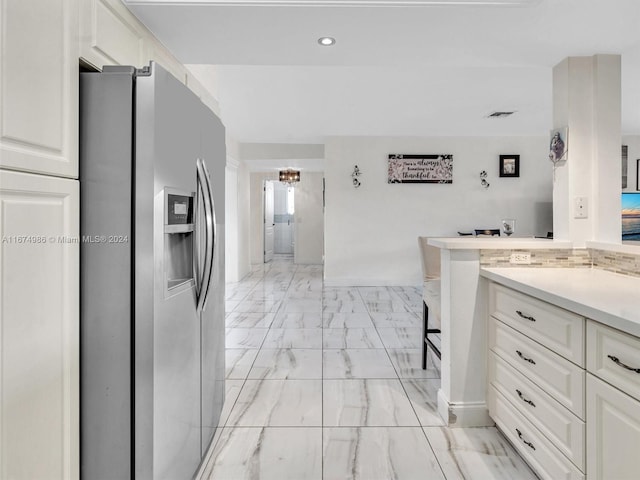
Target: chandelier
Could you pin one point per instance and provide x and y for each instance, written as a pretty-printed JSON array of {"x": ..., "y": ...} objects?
[{"x": 290, "y": 176}]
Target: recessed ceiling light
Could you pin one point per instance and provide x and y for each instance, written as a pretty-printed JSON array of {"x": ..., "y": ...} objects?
[{"x": 327, "y": 41}]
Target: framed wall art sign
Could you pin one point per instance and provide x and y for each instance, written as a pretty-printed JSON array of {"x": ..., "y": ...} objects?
[
  {"x": 509, "y": 165},
  {"x": 436, "y": 168}
]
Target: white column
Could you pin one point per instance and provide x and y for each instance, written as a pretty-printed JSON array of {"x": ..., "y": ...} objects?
[
  {"x": 587, "y": 99},
  {"x": 231, "y": 260},
  {"x": 462, "y": 394}
]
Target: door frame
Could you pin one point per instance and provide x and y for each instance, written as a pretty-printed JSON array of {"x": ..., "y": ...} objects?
[{"x": 265, "y": 257}]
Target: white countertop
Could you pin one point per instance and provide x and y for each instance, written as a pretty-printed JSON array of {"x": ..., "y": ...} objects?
[
  {"x": 606, "y": 297},
  {"x": 491, "y": 243}
]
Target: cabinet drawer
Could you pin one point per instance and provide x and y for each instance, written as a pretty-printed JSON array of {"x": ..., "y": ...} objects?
[
  {"x": 564, "y": 429},
  {"x": 539, "y": 452},
  {"x": 557, "y": 329},
  {"x": 557, "y": 376},
  {"x": 614, "y": 356}
]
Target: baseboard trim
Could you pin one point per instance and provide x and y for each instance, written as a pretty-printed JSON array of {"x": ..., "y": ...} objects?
[
  {"x": 368, "y": 282},
  {"x": 468, "y": 414}
]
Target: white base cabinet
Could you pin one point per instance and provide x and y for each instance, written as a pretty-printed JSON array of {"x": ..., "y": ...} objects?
[
  {"x": 564, "y": 428},
  {"x": 39, "y": 390},
  {"x": 613, "y": 432}
]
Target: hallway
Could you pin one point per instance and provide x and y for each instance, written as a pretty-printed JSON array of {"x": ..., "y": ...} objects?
[{"x": 325, "y": 383}]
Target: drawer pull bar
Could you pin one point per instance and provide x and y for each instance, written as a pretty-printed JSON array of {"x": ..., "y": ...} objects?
[
  {"x": 618, "y": 362},
  {"x": 525, "y": 400},
  {"x": 528, "y": 444},
  {"x": 522, "y": 315},
  {"x": 525, "y": 358}
]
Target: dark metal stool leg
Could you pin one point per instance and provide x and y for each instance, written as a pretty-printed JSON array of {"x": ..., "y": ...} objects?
[{"x": 425, "y": 329}]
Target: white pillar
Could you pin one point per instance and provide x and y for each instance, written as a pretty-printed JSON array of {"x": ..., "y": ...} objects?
[
  {"x": 463, "y": 367},
  {"x": 232, "y": 265},
  {"x": 587, "y": 100}
]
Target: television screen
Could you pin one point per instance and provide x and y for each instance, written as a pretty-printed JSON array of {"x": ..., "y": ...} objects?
[{"x": 631, "y": 216}]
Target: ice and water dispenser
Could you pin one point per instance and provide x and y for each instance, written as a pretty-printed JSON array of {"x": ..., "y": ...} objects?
[{"x": 178, "y": 240}]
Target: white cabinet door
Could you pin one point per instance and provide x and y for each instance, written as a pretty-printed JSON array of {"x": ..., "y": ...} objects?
[
  {"x": 39, "y": 86},
  {"x": 110, "y": 34},
  {"x": 39, "y": 256},
  {"x": 613, "y": 432}
]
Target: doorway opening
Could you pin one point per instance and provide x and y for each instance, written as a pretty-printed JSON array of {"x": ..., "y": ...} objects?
[{"x": 279, "y": 220}]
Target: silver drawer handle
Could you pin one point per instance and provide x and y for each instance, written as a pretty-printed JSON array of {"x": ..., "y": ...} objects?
[
  {"x": 528, "y": 444},
  {"x": 525, "y": 358},
  {"x": 525, "y": 400},
  {"x": 522, "y": 315},
  {"x": 618, "y": 362}
]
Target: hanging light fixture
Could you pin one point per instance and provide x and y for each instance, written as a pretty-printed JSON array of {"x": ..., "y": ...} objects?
[{"x": 290, "y": 176}]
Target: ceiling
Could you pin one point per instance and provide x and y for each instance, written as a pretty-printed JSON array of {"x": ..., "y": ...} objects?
[{"x": 395, "y": 70}]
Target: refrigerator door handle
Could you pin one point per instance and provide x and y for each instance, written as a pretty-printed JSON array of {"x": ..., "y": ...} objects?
[{"x": 204, "y": 191}]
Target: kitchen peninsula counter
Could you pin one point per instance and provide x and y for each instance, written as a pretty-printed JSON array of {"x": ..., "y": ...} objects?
[
  {"x": 494, "y": 243},
  {"x": 462, "y": 395}
]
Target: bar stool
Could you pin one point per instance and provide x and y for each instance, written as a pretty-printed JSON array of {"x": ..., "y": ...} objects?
[{"x": 430, "y": 257}]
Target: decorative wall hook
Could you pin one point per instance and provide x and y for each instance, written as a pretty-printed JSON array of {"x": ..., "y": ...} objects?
[
  {"x": 483, "y": 179},
  {"x": 356, "y": 173}
]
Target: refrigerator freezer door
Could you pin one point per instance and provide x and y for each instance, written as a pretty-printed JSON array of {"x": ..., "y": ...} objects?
[{"x": 167, "y": 328}]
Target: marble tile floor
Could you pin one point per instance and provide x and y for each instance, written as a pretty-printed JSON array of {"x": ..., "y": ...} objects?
[{"x": 325, "y": 383}]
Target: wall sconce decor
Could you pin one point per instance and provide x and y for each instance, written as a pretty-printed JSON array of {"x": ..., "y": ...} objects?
[
  {"x": 356, "y": 173},
  {"x": 290, "y": 176},
  {"x": 483, "y": 179}
]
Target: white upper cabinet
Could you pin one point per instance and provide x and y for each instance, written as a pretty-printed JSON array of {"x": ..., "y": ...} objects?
[
  {"x": 110, "y": 34},
  {"x": 39, "y": 86}
]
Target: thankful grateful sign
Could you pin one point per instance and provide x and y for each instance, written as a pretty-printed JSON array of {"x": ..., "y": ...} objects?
[{"x": 420, "y": 168}]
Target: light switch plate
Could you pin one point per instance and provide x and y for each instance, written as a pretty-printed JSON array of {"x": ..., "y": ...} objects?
[{"x": 580, "y": 207}]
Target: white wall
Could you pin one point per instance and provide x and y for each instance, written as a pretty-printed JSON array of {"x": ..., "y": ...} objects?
[
  {"x": 244, "y": 225},
  {"x": 280, "y": 151},
  {"x": 231, "y": 225},
  {"x": 237, "y": 215},
  {"x": 371, "y": 232},
  {"x": 309, "y": 218}
]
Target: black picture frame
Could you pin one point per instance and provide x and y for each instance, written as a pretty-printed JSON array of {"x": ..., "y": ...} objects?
[
  {"x": 638, "y": 174},
  {"x": 509, "y": 166}
]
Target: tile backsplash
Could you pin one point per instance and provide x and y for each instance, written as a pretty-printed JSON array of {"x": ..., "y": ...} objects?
[
  {"x": 561, "y": 258},
  {"x": 623, "y": 263}
]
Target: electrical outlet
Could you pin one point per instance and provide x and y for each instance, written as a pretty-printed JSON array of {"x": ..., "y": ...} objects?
[{"x": 520, "y": 258}]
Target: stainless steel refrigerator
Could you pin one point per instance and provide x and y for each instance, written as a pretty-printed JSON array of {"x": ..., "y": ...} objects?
[{"x": 152, "y": 160}]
